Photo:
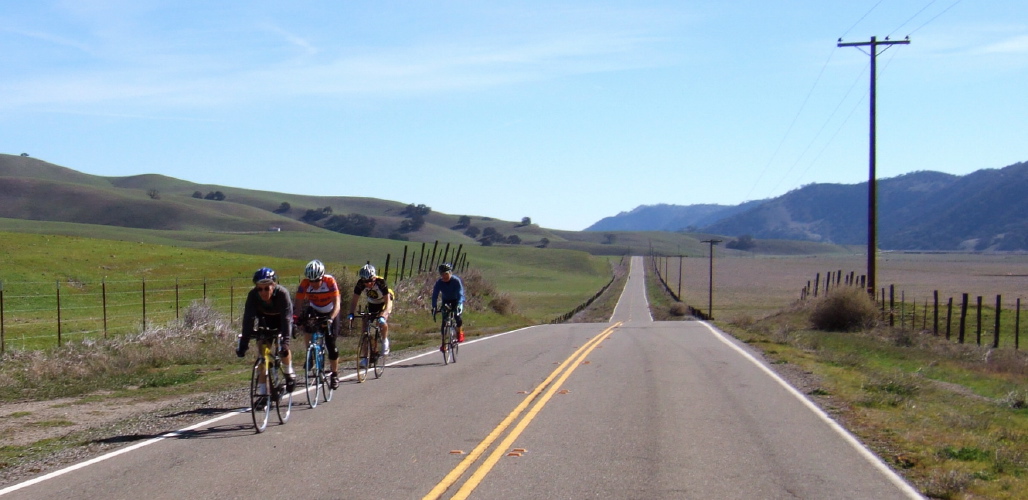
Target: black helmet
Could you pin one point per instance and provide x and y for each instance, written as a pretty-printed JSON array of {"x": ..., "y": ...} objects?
[{"x": 445, "y": 268}]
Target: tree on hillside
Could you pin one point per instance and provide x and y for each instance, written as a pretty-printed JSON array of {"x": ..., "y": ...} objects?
[
  {"x": 355, "y": 224},
  {"x": 744, "y": 242},
  {"x": 154, "y": 194},
  {"x": 414, "y": 223},
  {"x": 526, "y": 221},
  {"x": 198, "y": 195},
  {"x": 215, "y": 195},
  {"x": 544, "y": 242},
  {"x": 609, "y": 238},
  {"x": 412, "y": 210},
  {"x": 514, "y": 239},
  {"x": 472, "y": 232},
  {"x": 283, "y": 208},
  {"x": 463, "y": 221},
  {"x": 311, "y": 216}
]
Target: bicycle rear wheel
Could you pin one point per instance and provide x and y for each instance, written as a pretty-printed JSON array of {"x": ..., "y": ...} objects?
[
  {"x": 378, "y": 363},
  {"x": 312, "y": 376},
  {"x": 260, "y": 409},
  {"x": 363, "y": 357}
]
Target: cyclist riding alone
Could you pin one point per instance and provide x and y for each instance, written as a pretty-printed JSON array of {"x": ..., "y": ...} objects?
[
  {"x": 268, "y": 304},
  {"x": 452, "y": 290},
  {"x": 380, "y": 300},
  {"x": 319, "y": 299}
]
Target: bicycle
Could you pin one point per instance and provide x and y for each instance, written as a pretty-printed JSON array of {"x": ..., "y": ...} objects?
[
  {"x": 268, "y": 367},
  {"x": 368, "y": 346},
  {"x": 451, "y": 344},
  {"x": 316, "y": 383}
]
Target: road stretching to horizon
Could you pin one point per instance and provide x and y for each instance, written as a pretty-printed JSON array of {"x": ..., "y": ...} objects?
[{"x": 627, "y": 409}]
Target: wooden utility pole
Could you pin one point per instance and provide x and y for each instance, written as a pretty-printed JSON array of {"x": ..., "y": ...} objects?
[
  {"x": 710, "y": 288},
  {"x": 872, "y": 202}
]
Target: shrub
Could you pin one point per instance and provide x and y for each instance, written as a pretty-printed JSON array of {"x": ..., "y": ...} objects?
[
  {"x": 844, "y": 310},
  {"x": 679, "y": 309},
  {"x": 503, "y": 305}
]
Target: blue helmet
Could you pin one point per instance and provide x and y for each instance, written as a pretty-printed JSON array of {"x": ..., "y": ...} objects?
[{"x": 265, "y": 275}]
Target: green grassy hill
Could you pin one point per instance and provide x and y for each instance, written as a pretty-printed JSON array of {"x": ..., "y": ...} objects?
[{"x": 34, "y": 190}]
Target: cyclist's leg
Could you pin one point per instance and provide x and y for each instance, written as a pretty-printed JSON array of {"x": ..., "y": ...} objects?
[
  {"x": 333, "y": 352},
  {"x": 262, "y": 377}
]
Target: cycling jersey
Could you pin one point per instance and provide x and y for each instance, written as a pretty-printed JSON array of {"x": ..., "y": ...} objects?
[
  {"x": 377, "y": 293},
  {"x": 321, "y": 296}
]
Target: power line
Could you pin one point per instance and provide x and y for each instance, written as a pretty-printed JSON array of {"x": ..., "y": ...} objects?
[
  {"x": 911, "y": 18},
  {"x": 862, "y": 18},
  {"x": 954, "y": 4}
]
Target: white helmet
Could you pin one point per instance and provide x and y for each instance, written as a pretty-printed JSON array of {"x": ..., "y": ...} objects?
[
  {"x": 315, "y": 270},
  {"x": 367, "y": 272}
]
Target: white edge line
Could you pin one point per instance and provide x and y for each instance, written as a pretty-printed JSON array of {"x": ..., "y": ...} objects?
[
  {"x": 876, "y": 461},
  {"x": 101, "y": 458}
]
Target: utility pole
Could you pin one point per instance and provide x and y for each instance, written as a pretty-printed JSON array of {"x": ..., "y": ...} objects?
[
  {"x": 710, "y": 288},
  {"x": 872, "y": 197}
]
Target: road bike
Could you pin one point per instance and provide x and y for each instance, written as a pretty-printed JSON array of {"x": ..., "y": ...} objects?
[
  {"x": 368, "y": 346},
  {"x": 316, "y": 382},
  {"x": 451, "y": 343},
  {"x": 269, "y": 368}
]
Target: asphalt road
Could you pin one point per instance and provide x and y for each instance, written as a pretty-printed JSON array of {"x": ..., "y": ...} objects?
[{"x": 626, "y": 409}]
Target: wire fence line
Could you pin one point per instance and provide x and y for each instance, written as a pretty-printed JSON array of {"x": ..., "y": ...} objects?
[{"x": 36, "y": 314}]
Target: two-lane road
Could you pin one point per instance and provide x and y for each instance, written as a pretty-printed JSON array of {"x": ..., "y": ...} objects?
[{"x": 628, "y": 409}]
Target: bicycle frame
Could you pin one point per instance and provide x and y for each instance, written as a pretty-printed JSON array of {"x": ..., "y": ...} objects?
[
  {"x": 267, "y": 370},
  {"x": 368, "y": 346}
]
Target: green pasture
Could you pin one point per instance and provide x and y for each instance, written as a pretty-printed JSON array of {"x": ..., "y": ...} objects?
[{"x": 111, "y": 286}]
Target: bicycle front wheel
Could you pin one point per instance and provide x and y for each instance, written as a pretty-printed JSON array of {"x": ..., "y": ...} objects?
[
  {"x": 260, "y": 409},
  {"x": 447, "y": 342},
  {"x": 312, "y": 376},
  {"x": 363, "y": 357},
  {"x": 326, "y": 384},
  {"x": 379, "y": 363},
  {"x": 454, "y": 344},
  {"x": 283, "y": 398}
]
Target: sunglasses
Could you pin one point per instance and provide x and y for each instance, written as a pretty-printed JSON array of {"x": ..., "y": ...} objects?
[{"x": 265, "y": 288}]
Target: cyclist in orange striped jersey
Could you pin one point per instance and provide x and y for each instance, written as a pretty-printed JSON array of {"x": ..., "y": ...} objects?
[{"x": 318, "y": 297}]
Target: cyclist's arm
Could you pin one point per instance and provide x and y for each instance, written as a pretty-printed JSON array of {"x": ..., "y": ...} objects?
[
  {"x": 337, "y": 306},
  {"x": 435, "y": 293},
  {"x": 249, "y": 314},
  {"x": 284, "y": 306},
  {"x": 353, "y": 303},
  {"x": 460, "y": 290}
]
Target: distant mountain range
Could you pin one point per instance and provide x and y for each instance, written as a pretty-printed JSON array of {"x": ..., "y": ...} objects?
[{"x": 986, "y": 210}]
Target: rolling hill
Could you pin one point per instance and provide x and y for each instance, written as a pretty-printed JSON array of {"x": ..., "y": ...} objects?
[{"x": 986, "y": 210}]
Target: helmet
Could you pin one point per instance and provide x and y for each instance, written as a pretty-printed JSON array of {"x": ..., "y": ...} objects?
[
  {"x": 265, "y": 275},
  {"x": 367, "y": 272},
  {"x": 445, "y": 268},
  {"x": 315, "y": 270}
]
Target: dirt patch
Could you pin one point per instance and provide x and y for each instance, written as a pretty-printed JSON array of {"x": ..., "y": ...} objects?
[{"x": 95, "y": 424}]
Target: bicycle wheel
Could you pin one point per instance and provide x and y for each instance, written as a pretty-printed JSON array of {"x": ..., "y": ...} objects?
[
  {"x": 312, "y": 376},
  {"x": 363, "y": 356},
  {"x": 454, "y": 344},
  {"x": 447, "y": 336},
  {"x": 259, "y": 407},
  {"x": 378, "y": 363},
  {"x": 283, "y": 398},
  {"x": 326, "y": 384}
]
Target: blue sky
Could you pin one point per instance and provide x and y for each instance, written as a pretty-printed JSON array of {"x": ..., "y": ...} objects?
[{"x": 562, "y": 111}]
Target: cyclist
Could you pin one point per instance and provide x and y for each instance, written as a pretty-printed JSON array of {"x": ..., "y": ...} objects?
[
  {"x": 319, "y": 299},
  {"x": 268, "y": 304},
  {"x": 380, "y": 300},
  {"x": 452, "y": 290}
]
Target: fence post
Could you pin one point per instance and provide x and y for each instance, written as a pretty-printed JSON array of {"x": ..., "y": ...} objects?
[
  {"x": 892, "y": 305},
  {"x": 58, "y": 314},
  {"x": 1017, "y": 325},
  {"x": 446, "y": 254},
  {"x": 231, "y": 300},
  {"x": 386, "y": 275},
  {"x": 431, "y": 265},
  {"x": 995, "y": 338},
  {"x": 2, "y": 317},
  {"x": 144, "y": 304},
  {"x": 903, "y": 311},
  {"x": 176, "y": 298},
  {"x": 421, "y": 259},
  {"x": 205, "y": 290},
  {"x": 935, "y": 296},
  {"x": 103, "y": 293},
  {"x": 949, "y": 317},
  {"x": 924, "y": 319},
  {"x": 403, "y": 267},
  {"x": 817, "y": 283},
  {"x": 978, "y": 327},
  {"x": 963, "y": 318}
]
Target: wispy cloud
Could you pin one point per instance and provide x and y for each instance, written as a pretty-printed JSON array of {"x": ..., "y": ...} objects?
[{"x": 1013, "y": 45}]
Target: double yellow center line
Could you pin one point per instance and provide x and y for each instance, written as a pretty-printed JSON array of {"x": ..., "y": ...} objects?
[{"x": 550, "y": 385}]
